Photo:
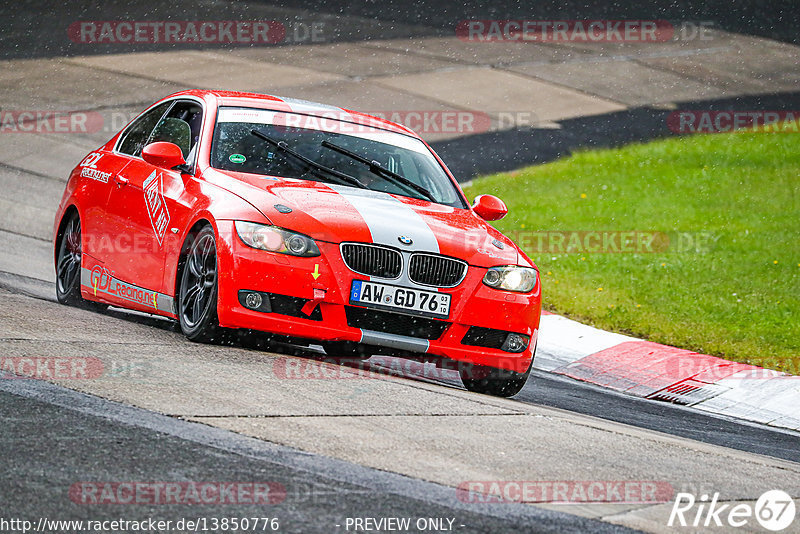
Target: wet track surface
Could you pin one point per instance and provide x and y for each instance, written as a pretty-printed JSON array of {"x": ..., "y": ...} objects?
[
  {"x": 339, "y": 430},
  {"x": 544, "y": 389},
  {"x": 86, "y": 443}
]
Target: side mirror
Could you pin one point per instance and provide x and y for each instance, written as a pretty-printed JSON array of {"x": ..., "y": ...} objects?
[
  {"x": 489, "y": 208},
  {"x": 163, "y": 154}
]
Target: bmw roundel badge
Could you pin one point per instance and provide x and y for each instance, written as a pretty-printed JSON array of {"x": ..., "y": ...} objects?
[{"x": 405, "y": 239}]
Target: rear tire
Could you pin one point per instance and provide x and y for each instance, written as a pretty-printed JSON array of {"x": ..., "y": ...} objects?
[
  {"x": 491, "y": 380},
  {"x": 68, "y": 262},
  {"x": 68, "y": 266},
  {"x": 197, "y": 295}
]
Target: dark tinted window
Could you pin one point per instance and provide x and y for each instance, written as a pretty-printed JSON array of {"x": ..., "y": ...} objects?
[
  {"x": 235, "y": 148},
  {"x": 137, "y": 134},
  {"x": 180, "y": 126}
]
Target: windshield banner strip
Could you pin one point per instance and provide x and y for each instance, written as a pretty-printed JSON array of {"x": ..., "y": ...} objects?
[{"x": 339, "y": 122}]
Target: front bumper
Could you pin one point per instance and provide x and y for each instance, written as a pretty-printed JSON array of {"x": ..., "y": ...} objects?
[{"x": 323, "y": 284}]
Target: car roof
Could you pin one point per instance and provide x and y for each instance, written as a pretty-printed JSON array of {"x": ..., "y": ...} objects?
[{"x": 294, "y": 105}]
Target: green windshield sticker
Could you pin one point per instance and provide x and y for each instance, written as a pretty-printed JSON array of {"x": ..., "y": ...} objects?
[{"x": 237, "y": 158}]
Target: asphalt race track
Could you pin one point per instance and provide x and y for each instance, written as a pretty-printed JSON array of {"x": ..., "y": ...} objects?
[
  {"x": 84, "y": 434},
  {"x": 542, "y": 389},
  {"x": 380, "y": 447}
]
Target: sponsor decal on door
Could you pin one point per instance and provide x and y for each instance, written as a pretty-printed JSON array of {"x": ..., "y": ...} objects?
[{"x": 156, "y": 206}]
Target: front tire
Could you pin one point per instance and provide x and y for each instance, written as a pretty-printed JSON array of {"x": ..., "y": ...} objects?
[
  {"x": 197, "y": 296},
  {"x": 491, "y": 380}
]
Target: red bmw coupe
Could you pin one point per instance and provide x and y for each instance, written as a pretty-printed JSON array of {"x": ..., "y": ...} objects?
[{"x": 227, "y": 210}]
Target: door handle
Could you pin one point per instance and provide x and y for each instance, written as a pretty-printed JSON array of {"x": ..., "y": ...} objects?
[{"x": 120, "y": 180}]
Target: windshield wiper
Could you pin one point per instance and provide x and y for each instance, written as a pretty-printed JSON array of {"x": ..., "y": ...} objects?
[
  {"x": 284, "y": 146},
  {"x": 378, "y": 170}
]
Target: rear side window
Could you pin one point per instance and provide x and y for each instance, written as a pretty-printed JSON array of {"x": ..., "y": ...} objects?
[{"x": 136, "y": 136}]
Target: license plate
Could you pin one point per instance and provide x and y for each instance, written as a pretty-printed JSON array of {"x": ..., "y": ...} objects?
[{"x": 402, "y": 299}]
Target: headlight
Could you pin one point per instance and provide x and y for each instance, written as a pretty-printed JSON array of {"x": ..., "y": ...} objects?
[
  {"x": 511, "y": 278},
  {"x": 276, "y": 239}
]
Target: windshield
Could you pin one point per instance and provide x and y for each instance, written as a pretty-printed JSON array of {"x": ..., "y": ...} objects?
[{"x": 235, "y": 148}]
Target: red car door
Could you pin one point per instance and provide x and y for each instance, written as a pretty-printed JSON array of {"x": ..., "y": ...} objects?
[
  {"x": 97, "y": 171},
  {"x": 104, "y": 241},
  {"x": 145, "y": 208}
]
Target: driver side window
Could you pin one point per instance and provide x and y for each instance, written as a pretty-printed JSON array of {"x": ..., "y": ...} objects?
[
  {"x": 135, "y": 138},
  {"x": 180, "y": 126}
]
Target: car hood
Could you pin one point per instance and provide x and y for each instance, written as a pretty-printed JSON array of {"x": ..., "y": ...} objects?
[{"x": 337, "y": 213}]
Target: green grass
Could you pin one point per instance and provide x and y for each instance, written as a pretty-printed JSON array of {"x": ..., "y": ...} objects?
[{"x": 737, "y": 298}]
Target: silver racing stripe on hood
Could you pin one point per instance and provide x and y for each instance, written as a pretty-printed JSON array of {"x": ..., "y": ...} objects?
[{"x": 388, "y": 218}]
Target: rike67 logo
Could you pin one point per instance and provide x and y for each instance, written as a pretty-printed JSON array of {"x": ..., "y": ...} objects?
[{"x": 774, "y": 510}]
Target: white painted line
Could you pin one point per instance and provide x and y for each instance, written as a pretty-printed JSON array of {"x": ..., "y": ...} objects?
[
  {"x": 762, "y": 395},
  {"x": 563, "y": 341}
]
